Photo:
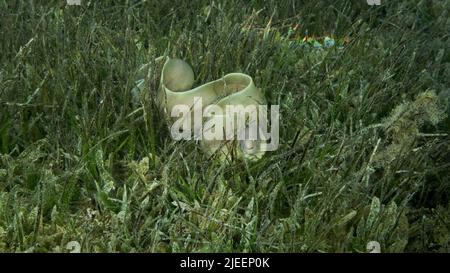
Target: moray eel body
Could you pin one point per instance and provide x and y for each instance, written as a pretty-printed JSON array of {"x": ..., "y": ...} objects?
[{"x": 235, "y": 89}]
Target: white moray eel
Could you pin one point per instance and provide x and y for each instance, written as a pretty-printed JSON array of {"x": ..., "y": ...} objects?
[{"x": 237, "y": 89}]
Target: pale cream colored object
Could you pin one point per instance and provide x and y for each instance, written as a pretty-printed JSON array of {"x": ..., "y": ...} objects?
[{"x": 177, "y": 79}]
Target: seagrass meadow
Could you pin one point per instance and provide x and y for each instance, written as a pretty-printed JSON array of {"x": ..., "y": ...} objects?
[{"x": 364, "y": 150}]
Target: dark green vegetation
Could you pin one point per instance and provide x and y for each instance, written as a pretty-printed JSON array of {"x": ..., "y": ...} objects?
[{"x": 364, "y": 151}]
